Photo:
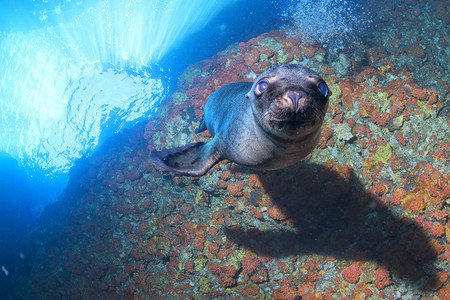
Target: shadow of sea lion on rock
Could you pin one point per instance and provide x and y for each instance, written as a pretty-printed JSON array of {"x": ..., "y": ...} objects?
[{"x": 331, "y": 214}]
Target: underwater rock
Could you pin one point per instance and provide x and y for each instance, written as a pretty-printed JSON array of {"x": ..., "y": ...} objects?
[
  {"x": 366, "y": 216},
  {"x": 342, "y": 65},
  {"x": 396, "y": 123}
]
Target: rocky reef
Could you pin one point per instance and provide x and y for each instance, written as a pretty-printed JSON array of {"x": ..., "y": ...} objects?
[{"x": 364, "y": 216}]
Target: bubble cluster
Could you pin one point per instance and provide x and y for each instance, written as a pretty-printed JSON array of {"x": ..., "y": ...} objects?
[{"x": 332, "y": 23}]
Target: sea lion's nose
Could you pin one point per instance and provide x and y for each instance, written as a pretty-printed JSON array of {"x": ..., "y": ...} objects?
[{"x": 298, "y": 100}]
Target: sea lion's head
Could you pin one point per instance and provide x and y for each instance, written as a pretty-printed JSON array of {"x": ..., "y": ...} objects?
[{"x": 289, "y": 100}]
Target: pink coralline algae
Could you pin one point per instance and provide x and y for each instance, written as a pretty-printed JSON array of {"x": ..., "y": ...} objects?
[
  {"x": 214, "y": 268},
  {"x": 250, "y": 264},
  {"x": 382, "y": 277},
  {"x": 260, "y": 276},
  {"x": 226, "y": 281},
  {"x": 351, "y": 274}
]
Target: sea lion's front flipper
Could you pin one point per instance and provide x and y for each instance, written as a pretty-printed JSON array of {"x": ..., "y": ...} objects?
[
  {"x": 191, "y": 160},
  {"x": 202, "y": 126}
]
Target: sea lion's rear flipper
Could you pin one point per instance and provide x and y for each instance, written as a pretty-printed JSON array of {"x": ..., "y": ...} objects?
[{"x": 191, "y": 160}]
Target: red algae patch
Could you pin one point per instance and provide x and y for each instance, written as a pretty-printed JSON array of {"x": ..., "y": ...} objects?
[
  {"x": 250, "y": 291},
  {"x": 351, "y": 274},
  {"x": 309, "y": 51},
  {"x": 250, "y": 264},
  {"x": 276, "y": 213},
  {"x": 382, "y": 278},
  {"x": 413, "y": 204},
  {"x": 235, "y": 189}
]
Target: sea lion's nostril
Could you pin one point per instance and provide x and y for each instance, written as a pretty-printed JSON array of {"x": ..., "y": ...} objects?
[{"x": 295, "y": 97}]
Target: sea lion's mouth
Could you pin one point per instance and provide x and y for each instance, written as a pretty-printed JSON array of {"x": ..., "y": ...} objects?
[
  {"x": 282, "y": 118},
  {"x": 288, "y": 124}
]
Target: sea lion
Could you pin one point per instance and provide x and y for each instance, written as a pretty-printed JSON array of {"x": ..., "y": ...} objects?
[{"x": 266, "y": 125}]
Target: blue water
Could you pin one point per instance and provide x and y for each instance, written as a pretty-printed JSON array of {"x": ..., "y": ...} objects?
[
  {"x": 73, "y": 73},
  {"x": 65, "y": 80}
]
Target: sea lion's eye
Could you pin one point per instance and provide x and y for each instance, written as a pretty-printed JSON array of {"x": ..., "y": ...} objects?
[
  {"x": 261, "y": 87},
  {"x": 323, "y": 88}
]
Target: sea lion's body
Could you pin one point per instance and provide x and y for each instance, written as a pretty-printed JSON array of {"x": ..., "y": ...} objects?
[
  {"x": 241, "y": 140},
  {"x": 266, "y": 125}
]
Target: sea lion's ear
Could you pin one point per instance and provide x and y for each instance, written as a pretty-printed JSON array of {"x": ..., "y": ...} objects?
[{"x": 248, "y": 95}]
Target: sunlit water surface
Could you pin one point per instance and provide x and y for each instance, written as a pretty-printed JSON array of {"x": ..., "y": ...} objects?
[{"x": 82, "y": 69}]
